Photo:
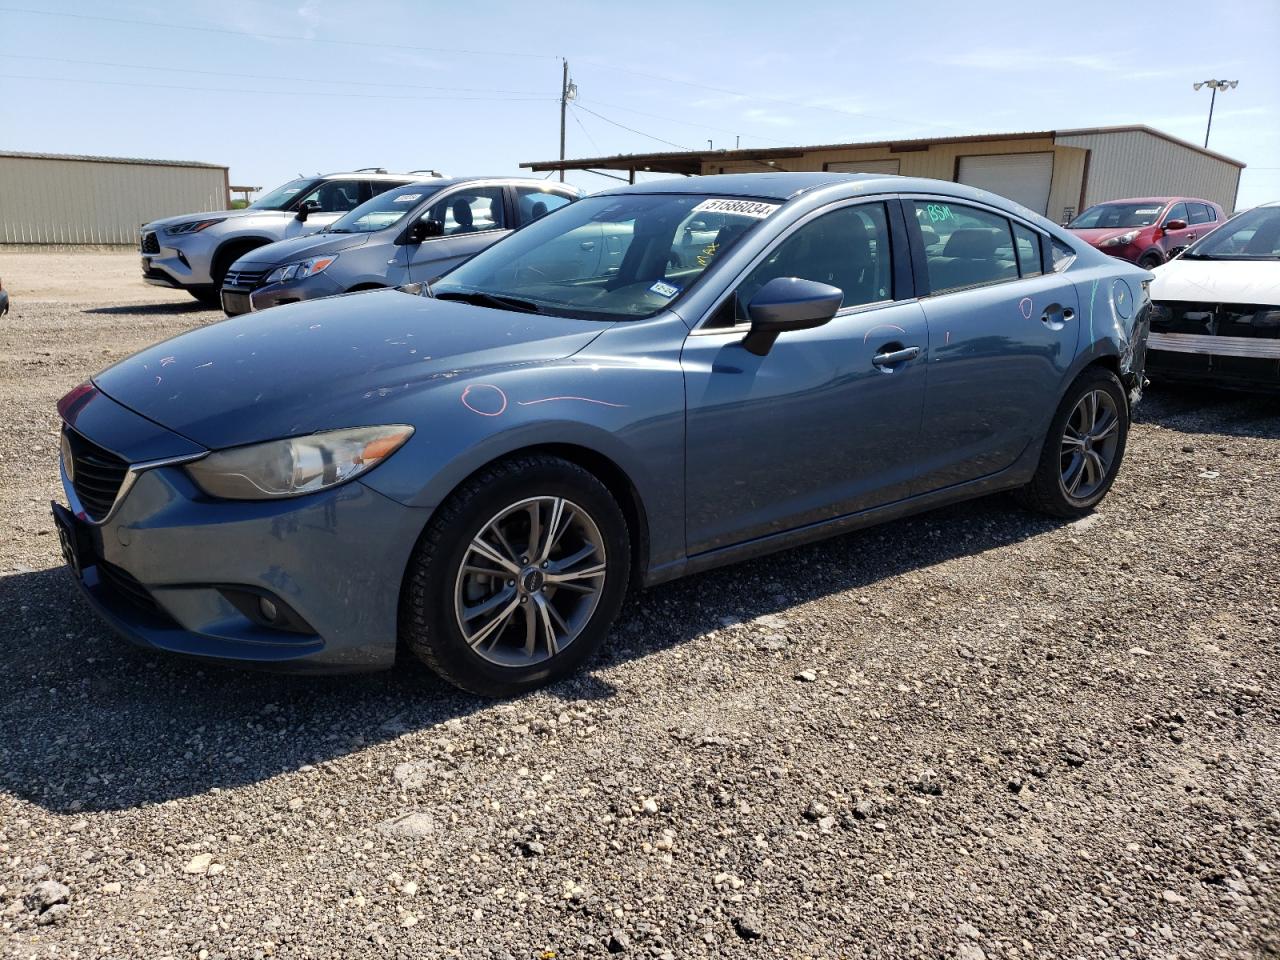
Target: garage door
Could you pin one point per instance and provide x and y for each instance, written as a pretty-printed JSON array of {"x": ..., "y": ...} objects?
[
  {"x": 1022, "y": 177},
  {"x": 864, "y": 166}
]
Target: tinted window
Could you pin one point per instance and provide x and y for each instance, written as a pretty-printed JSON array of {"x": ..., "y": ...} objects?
[
  {"x": 1177, "y": 212},
  {"x": 1249, "y": 236},
  {"x": 1027, "y": 242},
  {"x": 376, "y": 187},
  {"x": 334, "y": 196},
  {"x": 469, "y": 211},
  {"x": 535, "y": 202},
  {"x": 847, "y": 248},
  {"x": 973, "y": 247},
  {"x": 1199, "y": 213}
]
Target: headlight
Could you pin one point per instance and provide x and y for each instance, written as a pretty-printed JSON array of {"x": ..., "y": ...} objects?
[
  {"x": 1121, "y": 240},
  {"x": 298, "y": 465},
  {"x": 297, "y": 271},
  {"x": 191, "y": 226}
]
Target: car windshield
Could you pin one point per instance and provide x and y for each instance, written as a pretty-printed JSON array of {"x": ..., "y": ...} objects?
[
  {"x": 1106, "y": 215},
  {"x": 281, "y": 197},
  {"x": 384, "y": 210},
  {"x": 1254, "y": 235},
  {"x": 612, "y": 257}
]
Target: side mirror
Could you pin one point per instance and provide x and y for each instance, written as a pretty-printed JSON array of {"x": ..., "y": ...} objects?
[
  {"x": 788, "y": 303},
  {"x": 421, "y": 230},
  {"x": 1175, "y": 224},
  {"x": 304, "y": 211}
]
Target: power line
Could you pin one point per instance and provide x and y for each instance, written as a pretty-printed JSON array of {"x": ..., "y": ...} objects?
[
  {"x": 266, "y": 76},
  {"x": 688, "y": 123},
  {"x": 632, "y": 129},
  {"x": 268, "y": 93},
  {"x": 756, "y": 96},
  {"x": 272, "y": 36},
  {"x": 585, "y": 133}
]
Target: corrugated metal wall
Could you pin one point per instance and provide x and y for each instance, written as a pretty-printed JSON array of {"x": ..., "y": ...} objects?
[
  {"x": 939, "y": 161},
  {"x": 1132, "y": 163},
  {"x": 87, "y": 201}
]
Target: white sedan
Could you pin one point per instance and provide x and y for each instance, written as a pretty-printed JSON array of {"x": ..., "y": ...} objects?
[{"x": 1217, "y": 316}]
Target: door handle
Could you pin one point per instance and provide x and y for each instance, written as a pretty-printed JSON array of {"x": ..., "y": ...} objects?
[
  {"x": 892, "y": 357},
  {"x": 588, "y": 244}
]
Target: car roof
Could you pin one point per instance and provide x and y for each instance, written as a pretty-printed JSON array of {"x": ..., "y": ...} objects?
[
  {"x": 443, "y": 182},
  {"x": 1154, "y": 200}
]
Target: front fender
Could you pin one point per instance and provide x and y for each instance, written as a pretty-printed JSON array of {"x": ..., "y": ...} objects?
[{"x": 630, "y": 411}]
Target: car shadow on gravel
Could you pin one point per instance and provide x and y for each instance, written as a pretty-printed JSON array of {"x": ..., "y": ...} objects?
[
  {"x": 146, "y": 309},
  {"x": 90, "y": 723},
  {"x": 1194, "y": 409}
]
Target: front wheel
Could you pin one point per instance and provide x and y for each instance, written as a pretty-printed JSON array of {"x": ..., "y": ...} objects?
[
  {"x": 1084, "y": 447},
  {"x": 1150, "y": 261},
  {"x": 518, "y": 578},
  {"x": 210, "y": 297}
]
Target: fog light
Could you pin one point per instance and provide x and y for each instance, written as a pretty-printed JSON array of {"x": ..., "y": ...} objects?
[{"x": 267, "y": 609}]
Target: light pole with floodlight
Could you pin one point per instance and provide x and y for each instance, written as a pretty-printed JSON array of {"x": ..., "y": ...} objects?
[{"x": 1215, "y": 86}]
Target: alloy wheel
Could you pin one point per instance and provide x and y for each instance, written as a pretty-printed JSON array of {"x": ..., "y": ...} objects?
[
  {"x": 529, "y": 581},
  {"x": 1089, "y": 443}
]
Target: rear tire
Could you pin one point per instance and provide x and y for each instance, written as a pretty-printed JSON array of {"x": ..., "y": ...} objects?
[
  {"x": 498, "y": 606},
  {"x": 1083, "y": 449}
]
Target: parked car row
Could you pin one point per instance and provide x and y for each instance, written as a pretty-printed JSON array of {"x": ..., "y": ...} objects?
[
  {"x": 1148, "y": 231},
  {"x": 634, "y": 386}
]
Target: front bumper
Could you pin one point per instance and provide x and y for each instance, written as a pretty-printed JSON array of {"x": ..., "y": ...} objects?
[
  {"x": 1251, "y": 363},
  {"x": 244, "y": 299},
  {"x": 178, "y": 262},
  {"x": 170, "y": 569}
]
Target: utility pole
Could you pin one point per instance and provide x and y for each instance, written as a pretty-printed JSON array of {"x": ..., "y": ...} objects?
[
  {"x": 568, "y": 92},
  {"x": 1214, "y": 86}
]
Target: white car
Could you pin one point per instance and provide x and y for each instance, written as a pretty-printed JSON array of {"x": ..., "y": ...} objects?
[{"x": 1217, "y": 307}]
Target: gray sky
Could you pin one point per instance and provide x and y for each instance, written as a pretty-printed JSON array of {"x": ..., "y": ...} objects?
[{"x": 274, "y": 88}]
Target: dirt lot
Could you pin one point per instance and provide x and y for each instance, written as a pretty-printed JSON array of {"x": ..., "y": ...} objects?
[{"x": 976, "y": 734}]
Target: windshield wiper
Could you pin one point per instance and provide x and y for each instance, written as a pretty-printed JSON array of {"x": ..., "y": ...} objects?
[{"x": 481, "y": 299}]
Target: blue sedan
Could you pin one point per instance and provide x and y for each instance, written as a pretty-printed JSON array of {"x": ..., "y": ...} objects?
[{"x": 649, "y": 382}]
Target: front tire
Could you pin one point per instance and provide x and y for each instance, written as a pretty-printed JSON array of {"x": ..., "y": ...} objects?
[
  {"x": 210, "y": 297},
  {"x": 1083, "y": 449},
  {"x": 1150, "y": 261},
  {"x": 518, "y": 578}
]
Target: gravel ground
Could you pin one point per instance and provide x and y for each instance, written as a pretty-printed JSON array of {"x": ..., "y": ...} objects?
[{"x": 977, "y": 733}]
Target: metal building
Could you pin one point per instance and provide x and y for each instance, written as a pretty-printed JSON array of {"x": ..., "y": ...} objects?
[
  {"x": 1054, "y": 172},
  {"x": 56, "y": 198}
]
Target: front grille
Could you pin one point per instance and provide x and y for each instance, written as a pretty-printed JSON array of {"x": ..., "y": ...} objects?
[
  {"x": 149, "y": 243},
  {"x": 127, "y": 588},
  {"x": 96, "y": 474},
  {"x": 244, "y": 279}
]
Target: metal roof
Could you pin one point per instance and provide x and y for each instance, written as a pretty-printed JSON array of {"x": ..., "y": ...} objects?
[
  {"x": 90, "y": 159},
  {"x": 774, "y": 185},
  {"x": 690, "y": 162}
]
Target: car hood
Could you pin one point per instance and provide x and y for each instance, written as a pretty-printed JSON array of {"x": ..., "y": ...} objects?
[
  {"x": 299, "y": 248},
  {"x": 339, "y": 362},
  {"x": 1218, "y": 281},
  {"x": 1095, "y": 237},
  {"x": 209, "y": 215}
]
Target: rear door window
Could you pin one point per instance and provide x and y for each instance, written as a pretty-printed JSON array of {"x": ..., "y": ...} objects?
[
  {"x": 965, "y": 246},
  {"x": 533, "y": 203},
  {"x": 1199, "y": 213}
]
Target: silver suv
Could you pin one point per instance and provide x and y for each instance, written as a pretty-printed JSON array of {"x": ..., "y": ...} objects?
[
  {"x": 193, "y": 251},
  {"x": 401, "y": 236}
]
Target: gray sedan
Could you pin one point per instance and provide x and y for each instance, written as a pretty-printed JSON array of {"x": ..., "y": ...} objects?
[{"x": 410, "y": 234}]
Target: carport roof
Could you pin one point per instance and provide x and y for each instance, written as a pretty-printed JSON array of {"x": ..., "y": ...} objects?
[
  {"x": 133, "y": 160},
  {"x": 689, "y": 162}
]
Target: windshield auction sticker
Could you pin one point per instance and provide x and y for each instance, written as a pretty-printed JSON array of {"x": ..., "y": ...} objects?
[
  {"x": 743, "y": 208},
  {"x": 407, "y": 198}
]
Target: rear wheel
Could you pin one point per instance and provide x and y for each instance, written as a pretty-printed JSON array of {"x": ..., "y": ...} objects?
[
  {"x": 518, "y": 578},
  {"x": 1084, "y": 448}
]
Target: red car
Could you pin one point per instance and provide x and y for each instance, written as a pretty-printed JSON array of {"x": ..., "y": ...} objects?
[{"x": 1147, "y": 231}]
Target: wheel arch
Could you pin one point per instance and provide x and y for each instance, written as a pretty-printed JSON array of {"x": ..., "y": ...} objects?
[
  {"x": 239, "y": 246},
  {"x": 366, "y": 285}
]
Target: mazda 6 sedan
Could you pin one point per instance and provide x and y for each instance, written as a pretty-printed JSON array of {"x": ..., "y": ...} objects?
[{"x": 640, "y": 385}]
